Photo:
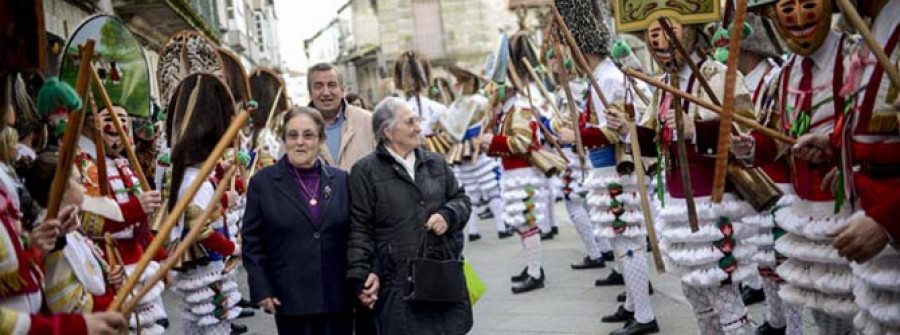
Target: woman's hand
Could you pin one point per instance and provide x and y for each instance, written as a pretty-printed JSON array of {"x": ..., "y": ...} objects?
[
  {"x": 269, "y": 304},
  {"x": 437, "y": 224},
  {"x": 369, "y": 294}
]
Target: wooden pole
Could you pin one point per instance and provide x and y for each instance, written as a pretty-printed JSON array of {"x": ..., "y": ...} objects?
[
  {"x": 683, "y": 164},
  {"x": 70, "y": 138},
  {"x": 102, "y": 177},
  {"x": 724, "y": 145},
  {"x": 239, "y": 120},
  {"x": 857, "y": 22},
  {"x": 642, "y": 187},
  {"x": 267, "y": 126},
  {"x": 126, "y": 141},
  {"x": 196, "y": 228},
  {"x": 744, "y": 121},
  {"x": 573, "y": 110}
]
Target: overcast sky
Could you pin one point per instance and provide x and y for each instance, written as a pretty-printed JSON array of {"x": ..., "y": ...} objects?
[{"x": 299, "y": 20}]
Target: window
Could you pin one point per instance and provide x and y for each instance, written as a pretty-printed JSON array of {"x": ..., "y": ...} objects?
[{"x": 428, "y": 27}]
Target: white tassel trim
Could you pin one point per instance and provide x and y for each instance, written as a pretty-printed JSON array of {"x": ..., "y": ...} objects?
[
  {"x": 882, "y": 306},
  {"x": 881, "y": 272},
  {"x": 839, "y": 306},
  {"x": 811, "y": 251},
  {"x": 867, "y": 325},
  {"x": 707, "y": 233},
  {"x": 827, "y": 279},
  {"x": 811, "y": 220}
]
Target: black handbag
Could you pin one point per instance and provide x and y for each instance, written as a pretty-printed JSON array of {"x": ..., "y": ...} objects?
[{"x": 434, "y": 280}]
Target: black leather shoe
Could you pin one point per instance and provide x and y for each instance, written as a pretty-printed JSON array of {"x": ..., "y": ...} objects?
[
  {"x": 621, "y": 315},
  {"x": 637, "y": 328},
  {"x": 614, "y": 278},
  {"x": 474, "y": 237},
  {"x": 504, "y": 234},
  {"x": 530, "y": 284},
  {"x": 521, "y": 276},
  {"x": 609, "y": 256},
  {"x": 767, "y": 329},
  {"x": 163, "y": 322},
  {"x": 588, "y": 263},
  {"x": 246, "y": 313},
  {"x": 486, "y": 214},
  {"x": 621, "y": 297},
  {"x": 554, "y": 230},
  {"x": 752, "y": 296},
  {"x": 237, "y": 328},
  {"x": 524, "y": 275},
  {"x": 244, "y": 303},
  {"x": 547, "y": 236}
]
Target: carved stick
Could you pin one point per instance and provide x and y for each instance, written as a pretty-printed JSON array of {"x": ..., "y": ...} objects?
[
  {"x": 70, "y": 138},
  {"x": 239, "y": 120},
  {"x": 683, "y": 165},
  {"x": 573, "y": 110},
  {"x": 734, "y": 52}
]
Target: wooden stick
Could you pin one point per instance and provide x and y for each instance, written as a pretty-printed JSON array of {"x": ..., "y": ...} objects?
[
  {"x": 110, "y": 250},
  {"x": 196, "y": 228},
  {"x": 70, "y": 138},
  {"x": 724, "y": 145},
  {"x": 645, "y": 199},
  {"x": 857, "y": 22},
  {"x": 163, "y": 234},
  {"x": 683, "y": 164},
  {"x": 744, "y": 121},
  {"x": 544, "y": 93},
  {"x": 534, "y": 113},
  {"x": 126, "y": 141},
  {"x": 267, "y": 126},
  {"x": 573, "y": 110},
  {"x": 579, "y": 57},
  {"x": 101, "y": 150}
]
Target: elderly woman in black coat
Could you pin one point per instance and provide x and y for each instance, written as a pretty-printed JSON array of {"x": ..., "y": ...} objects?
[
  {"x": 400, "y": 195},
  {"x": 295, "y": 235}
]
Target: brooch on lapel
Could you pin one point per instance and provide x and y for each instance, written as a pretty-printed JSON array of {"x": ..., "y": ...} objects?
[{"x": 326, "y": 192}]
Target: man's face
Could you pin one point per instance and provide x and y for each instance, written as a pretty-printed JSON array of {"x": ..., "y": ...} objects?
[
  {"x": 325, "y": 90},
  {"x": 111, "y": 141},
  {"x": 804, "y": 24}
]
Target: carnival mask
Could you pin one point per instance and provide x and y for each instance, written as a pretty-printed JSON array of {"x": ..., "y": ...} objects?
[
  {"x": 804, "y": 24},
  {"x": 661, "y": 47},
  {"x": 111, "y": 141}
]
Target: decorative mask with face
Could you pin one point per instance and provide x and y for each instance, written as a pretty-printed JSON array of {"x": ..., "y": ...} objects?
[
  {"x": 803, "y": 24},
  {"x": 661, "y": 47},
  {"x": 111, "y": 142}
]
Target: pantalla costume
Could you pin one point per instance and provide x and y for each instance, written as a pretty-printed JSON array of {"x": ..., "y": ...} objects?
[
  {"x": 869, "y": 141},
  {"x": 209, "y": 298},
  {"x": 708, "y": 262},
  {"x": 131, "y": 234}
]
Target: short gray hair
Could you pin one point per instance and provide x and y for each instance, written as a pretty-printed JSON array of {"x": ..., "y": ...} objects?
[
  {"x": 323, "y": 67},
  {"x": 384, "y": 116}
]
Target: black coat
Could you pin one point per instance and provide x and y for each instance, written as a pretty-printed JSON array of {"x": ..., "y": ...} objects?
[
  {"x": 388, "y": 214},
  {"x": 285, "y": 255}
]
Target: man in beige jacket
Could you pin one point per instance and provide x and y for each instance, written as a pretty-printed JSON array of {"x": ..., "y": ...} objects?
[{"x": 348, "y": 128}]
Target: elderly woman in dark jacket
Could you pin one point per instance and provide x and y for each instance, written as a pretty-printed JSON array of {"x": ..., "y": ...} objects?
[{"x": 400, "y": 194}]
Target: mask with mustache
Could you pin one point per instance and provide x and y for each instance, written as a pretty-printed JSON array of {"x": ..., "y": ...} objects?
[
  {"x": 111, "y": 142},
  {"x": 661, "y": 47},
  {"x": 804, "y": 24}
]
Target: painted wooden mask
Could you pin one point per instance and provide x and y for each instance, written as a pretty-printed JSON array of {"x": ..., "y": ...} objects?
[
  {"x": 661, "y": 47},
  {"x": 803, "y": 24}
]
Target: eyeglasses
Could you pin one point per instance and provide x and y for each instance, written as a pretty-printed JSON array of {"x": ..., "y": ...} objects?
[{"x": 307, "y": 135}]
